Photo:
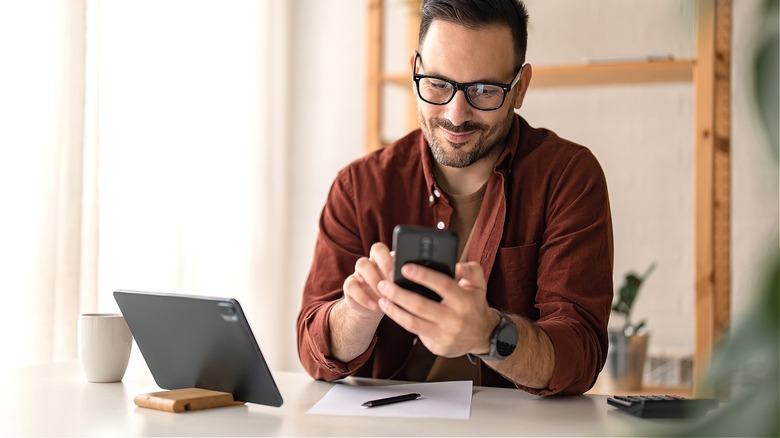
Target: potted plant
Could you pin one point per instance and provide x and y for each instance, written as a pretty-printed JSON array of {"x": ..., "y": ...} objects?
[{"x": 628, "y": 344}]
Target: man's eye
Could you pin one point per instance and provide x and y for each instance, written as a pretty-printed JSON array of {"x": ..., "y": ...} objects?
[
  {"x": 486, "y": 90},
  {"x": 438, "y": 84}
]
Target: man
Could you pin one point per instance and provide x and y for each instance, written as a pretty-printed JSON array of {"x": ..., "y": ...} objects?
[{"x": 530, "y": 302}]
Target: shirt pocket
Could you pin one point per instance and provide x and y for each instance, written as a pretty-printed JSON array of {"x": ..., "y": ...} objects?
[{"x": 516, "y": 279}]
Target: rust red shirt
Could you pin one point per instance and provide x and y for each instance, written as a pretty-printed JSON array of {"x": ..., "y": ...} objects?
[{"x": 544, "y": 235}]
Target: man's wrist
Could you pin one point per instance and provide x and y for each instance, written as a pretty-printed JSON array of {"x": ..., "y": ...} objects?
[
  {"x": 346, "y": 310},
  {"x": 351, "y": 333},
  {"x": 502, "y": 340},
  {"x": 493, "y": 317}
]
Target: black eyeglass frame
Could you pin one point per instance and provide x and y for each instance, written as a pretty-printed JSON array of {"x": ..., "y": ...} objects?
[{"x": 457, "y": 86}]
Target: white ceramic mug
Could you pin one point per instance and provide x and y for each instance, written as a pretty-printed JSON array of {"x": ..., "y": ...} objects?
[{"x": 105, "y": 342}]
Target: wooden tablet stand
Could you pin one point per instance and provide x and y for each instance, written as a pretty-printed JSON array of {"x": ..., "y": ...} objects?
[{"x": 188, "y": 399}]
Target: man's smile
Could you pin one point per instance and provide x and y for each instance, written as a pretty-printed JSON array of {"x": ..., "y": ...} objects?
[{"x": 457, "y": 137}]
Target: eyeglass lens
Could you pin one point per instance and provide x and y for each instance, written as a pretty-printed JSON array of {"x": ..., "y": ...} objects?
[{"x": 481, "y": 96}]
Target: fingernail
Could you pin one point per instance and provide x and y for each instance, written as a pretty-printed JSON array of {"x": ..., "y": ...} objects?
[
  {"x": 382, "y": 286},
  {"x": 408, "y": 269},
  {"x": 383, "y": 304}
]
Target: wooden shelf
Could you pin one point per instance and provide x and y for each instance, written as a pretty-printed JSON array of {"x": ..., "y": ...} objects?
[
  {"x": 397, "y": 79},
  {"x": 646, "y": 72}
]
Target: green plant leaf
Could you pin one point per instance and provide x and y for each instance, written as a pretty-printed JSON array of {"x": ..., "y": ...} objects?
[{"x": 628, "y": 293}]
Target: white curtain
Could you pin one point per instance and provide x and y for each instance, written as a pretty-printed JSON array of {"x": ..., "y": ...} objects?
[
  {"x": 42, "y": 178},
  {"x": 143, "y": 147}
]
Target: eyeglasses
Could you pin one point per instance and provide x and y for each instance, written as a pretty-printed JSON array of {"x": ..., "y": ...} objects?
[{"x": 484, "y": 96}]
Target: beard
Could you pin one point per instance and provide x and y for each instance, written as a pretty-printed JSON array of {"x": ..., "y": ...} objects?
[{"x": 460, "y": 155}]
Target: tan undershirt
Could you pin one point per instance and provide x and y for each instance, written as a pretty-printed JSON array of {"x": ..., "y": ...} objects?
[{"x": 465, "y": 210}]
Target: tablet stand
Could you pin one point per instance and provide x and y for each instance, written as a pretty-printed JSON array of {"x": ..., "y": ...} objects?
[{"x": 188, "y": 399}]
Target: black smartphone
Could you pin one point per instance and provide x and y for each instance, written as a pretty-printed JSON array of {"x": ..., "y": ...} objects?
[{"x": 429, "y": 247}]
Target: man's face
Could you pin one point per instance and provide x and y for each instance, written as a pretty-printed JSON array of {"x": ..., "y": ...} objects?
[{"x": 457, "y": 133}]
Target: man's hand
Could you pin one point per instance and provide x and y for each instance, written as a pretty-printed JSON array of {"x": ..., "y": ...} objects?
[
  {"x": 461, "y": 323},
  {"x": 361, "y": 291},
  {"x": 354, "y": 319}
]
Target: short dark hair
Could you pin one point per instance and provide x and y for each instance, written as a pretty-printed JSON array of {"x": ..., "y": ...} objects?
[{"x": 475, "y": 14}]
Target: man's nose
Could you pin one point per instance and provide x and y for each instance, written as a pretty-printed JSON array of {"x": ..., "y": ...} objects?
[{"x": 458, "y": 110}]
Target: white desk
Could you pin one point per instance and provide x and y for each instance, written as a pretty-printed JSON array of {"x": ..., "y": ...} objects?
[{"x": 56, "y": 400}]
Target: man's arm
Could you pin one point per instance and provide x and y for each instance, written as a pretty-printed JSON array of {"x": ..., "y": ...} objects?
[
  {"x": 339, "y": 314},
  {"x": 354, "y": 319},
  {"x": 336, "y": 253}
]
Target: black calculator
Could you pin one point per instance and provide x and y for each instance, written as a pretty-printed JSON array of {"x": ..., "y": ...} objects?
[{"x": 662, "y": 406}]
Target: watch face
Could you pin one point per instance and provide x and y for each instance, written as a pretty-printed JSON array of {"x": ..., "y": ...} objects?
[{"x": 506, "y": 341}]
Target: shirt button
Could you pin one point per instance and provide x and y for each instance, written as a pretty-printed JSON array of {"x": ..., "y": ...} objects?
[
  {"x": 440, "y": 225},
  {"x": 431, "y": 199},
  {"x": 436, "y": 192}
]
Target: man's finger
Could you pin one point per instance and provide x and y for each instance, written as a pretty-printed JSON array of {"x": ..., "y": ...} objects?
[
  {"x": 430, "y": 278},
  {"x": 358, "y": 292},
  {"x": 369, "y": 272},
  {"x": 470, "y": 274},
  {"x": 412, "y": 302},
  {"x": 380, "y": 254},
  {"x": 405, "y": 318}
]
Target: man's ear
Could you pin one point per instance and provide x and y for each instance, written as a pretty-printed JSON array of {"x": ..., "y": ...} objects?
[
  {"x": 411, "y": 60},
  {"x": 522, "y": 85}
]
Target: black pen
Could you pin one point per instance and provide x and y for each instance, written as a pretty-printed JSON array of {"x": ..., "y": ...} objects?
[{"x": 396, "y": 399}]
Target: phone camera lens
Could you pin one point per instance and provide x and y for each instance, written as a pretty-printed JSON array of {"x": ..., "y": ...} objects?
[{"x": 426, "y": 244}]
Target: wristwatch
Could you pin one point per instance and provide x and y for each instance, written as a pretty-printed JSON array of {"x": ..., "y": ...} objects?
[{"x": 503, "y": 340}]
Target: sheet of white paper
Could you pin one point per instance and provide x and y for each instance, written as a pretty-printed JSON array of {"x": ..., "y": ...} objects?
[{"x": 439, "y": 400}]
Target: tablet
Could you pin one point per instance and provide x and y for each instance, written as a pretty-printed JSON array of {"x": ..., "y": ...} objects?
[{"x": 198, "y": 342}]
